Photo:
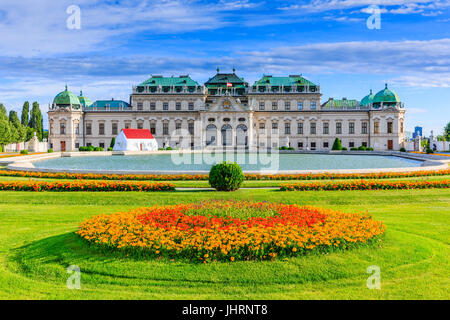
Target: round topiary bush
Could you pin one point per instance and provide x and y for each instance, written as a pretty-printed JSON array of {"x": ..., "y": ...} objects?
[{"x": 226, "y": 176}]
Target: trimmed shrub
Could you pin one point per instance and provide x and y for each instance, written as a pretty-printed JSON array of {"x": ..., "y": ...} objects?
[
  {"x": 110, "y": 149},
  {"x": 24, "y": 152},
  {"x": 291, "y": 148},
  {"x": 98, "y": 149},
  {"x": 369, "y": 149},
  {"x": 344, "y": 149},
  {"x": 354, "y": 149},
  {"x": 429, "y": 151},
  {"x": 226, "y": 176},
  {"x": 113, "y": 142},
  {"x": 90, "y": 148},
  {"x": 402, "y": 150},
  {"x": 337, "y": 145},
  {"x": 362, "y": 148},
  {"x": 50, "y": 150}
]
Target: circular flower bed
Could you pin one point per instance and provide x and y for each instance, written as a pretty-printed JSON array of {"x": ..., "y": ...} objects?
[{"x": 229, "y": 230}]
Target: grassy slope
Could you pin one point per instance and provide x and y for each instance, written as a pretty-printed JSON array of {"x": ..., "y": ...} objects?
[{"x": 37, "y": 244}]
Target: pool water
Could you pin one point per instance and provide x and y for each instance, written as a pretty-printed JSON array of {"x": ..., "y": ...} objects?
[{"x": 196, "y": 162}]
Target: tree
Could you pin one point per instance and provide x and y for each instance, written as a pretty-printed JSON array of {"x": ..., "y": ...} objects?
[
  {"x": 3, "y": 114},
  {"x": 447, "y": 132},
  {"x": 19, "y": 131},
  {"x": 337, "y": 145},
  {"x": 5, "y": 132},
  {"x": 36, "y": 120},
  {"x": 25, "y": 113}
]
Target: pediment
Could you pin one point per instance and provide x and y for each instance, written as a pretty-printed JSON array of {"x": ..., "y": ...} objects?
[{"x": 227, "y": 104}]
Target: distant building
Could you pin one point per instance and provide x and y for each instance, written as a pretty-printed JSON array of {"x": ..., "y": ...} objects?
[{"x": 228, "y": 112}]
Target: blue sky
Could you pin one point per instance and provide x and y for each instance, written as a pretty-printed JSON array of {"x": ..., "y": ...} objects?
[{"x": 121, "y": 43}]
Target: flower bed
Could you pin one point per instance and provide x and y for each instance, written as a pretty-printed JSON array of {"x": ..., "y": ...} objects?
[
  {"x": 68, "y": 186},
  {"x": 205, "y": 177},
  {"x": 229, "y": 231},
  {"x": 366, "y": 185}
]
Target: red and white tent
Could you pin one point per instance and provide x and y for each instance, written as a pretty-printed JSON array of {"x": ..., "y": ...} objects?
[{"x": 135, "y": 140}]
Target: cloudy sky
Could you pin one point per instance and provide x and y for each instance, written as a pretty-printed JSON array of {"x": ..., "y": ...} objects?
[{"x": 120, "y": 43}]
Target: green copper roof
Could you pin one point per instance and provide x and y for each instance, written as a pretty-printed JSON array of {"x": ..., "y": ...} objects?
[
  {"x": 66, "y": 98},
  {"x": 283, "y": 81},
  {"x": 181, "y": 81},
  {"x": 340, "y": 104},
  {"x": 386, "y": 95},
  {"x": 367, "y": 100},
  {"x": 104, "y": 104},
  {"x": 85, "y": 102},
  {"x": 221, "y": 80}
]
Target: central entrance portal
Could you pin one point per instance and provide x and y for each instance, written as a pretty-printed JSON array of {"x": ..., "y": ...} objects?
[{"x": 227, "y": 135}]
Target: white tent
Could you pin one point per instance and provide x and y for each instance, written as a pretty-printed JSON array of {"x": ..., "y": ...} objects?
[{"x": 135, "y": 140}]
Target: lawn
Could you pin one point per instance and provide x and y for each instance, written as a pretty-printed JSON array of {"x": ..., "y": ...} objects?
[{"x": 37, "y": 244}]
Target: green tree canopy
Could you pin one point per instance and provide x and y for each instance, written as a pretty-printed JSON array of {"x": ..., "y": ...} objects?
[
  {"x": 25, "y": 113},
  {"x": 3, "y": 114},
  {"x": 6, "y": 135},
  {"x": 447, "y": 132},
  {"x": 36, "y": 120}
]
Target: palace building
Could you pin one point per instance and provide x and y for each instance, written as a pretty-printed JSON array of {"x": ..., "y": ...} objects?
[{"x": 227, "y": 112}]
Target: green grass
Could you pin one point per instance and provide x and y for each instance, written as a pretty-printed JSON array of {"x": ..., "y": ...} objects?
[{"x": 37, "y": 244}]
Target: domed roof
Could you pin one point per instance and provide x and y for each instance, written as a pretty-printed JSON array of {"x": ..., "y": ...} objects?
[
  {"x": 85, "y": 101},
  {"x": 66, "y": 98},
  {"x": 367, "y": 100},
  {"x": 386, "y": 95}
]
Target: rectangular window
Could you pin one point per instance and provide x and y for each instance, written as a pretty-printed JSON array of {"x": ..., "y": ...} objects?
[
  {"x": 274, "y": 105},
  {"x": 191, "y": 106},
  {"x": 262, "y": 106},
  {"x": 152, "y": 106},
  {"x": 287, "y": 128},
  {"x": 178, "y": 128},
  {"x": 127, "y": 125},
  {"x": 77, "y": 128},
  {"x": 300, "y": 128},
  {"x": 140, "y": 106},
  {"x": 62, "y": 128},
  {"x": 88, "y": 129},
  {"x": 114, "y": 130},
  {"x": 153, "y": 127},
  {"x": 165, "y": 128},
  {"x": 338, "y": 127},
  {"x": 140, "y": 125},
  {"x": 313, "y": 146},
  {"x": 326, "y": 128},
  {"x": 389, "y": 127},
  {"x": 325, "y": 145},
  {"x": 101, "y": 129},
  {"x": 300, "y": 105},
  {"x": 364, "y": 128},
  {"x": 77, "y": 145},
  {"x": 287, "y": 105},
  {"x": 313, "y": 128},
  {"x": 364, "y": 144},
  {"x": 178, "y": 106},
  {"x": 191, "y": 128},
  {"x": 300, "y": 145},
  {"x": 102, "y": 145},
  {"x": 351, "y": 144},
  {"x": 262, "y": 127},
  {"x": 402, "y": 128},
  {"x": 313, "y": 105},
  {"x": 165, "y": 106},
  {"x": 274, "y": 127},
  {"x": 376, "y": 127},
  {"x": 351, "y": 128}
]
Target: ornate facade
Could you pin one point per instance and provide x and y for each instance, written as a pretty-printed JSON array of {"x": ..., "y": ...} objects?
[{"x": 227, "y": 112}]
